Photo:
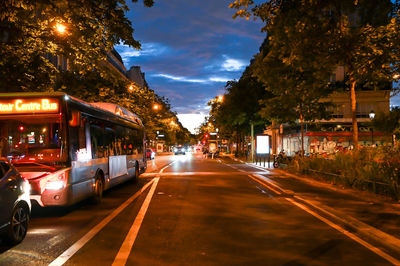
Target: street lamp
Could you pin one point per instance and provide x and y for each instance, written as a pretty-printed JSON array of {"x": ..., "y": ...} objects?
[
  {"x": 60, "y": 28},
  {"x": 156, "y": 107},
  {"x": 372, "y": 116}
]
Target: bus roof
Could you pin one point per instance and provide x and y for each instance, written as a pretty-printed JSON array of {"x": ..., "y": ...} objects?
[{"x": 108, "y": 107}]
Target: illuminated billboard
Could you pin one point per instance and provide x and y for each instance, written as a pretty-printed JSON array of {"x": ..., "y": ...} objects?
[
  {"x": 29, "y": 105},
  {"x": 262, "y": 144}
]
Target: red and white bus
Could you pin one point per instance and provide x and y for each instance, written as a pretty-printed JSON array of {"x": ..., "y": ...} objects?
[{"x": 69, "y": 149}]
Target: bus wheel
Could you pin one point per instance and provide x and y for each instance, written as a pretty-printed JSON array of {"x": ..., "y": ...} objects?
[
  {"x": 98, "y": 189},
  {"x": 137, "y": 173}
]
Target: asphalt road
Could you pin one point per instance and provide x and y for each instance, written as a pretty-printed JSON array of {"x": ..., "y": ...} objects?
[{"x": 191, "y": 211}]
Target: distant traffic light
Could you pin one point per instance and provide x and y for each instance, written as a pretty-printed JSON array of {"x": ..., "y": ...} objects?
[
  {"x": 206, "y": 136},
  {"x": 204, "y": 142}
]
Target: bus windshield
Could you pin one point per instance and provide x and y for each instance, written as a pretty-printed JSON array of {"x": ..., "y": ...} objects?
[{"x": 34, "y": 139}]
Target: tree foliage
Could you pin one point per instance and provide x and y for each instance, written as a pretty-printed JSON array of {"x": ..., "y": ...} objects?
[
  {"x": 29, "y": 35},
  {"x": 30, "y": 41},
  {"x": 314, "y": 37}
]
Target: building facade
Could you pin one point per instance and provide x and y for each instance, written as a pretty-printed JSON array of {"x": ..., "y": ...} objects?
[{"x": 336, "y": 134}]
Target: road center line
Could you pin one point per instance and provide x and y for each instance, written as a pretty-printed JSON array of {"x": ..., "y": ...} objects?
[
  {"x": 127, "y": 245},
  {"x": 66, "y": 255}
]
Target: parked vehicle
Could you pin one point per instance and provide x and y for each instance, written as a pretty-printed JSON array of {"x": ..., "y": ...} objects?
[
  {"x": 15, "y": 205},
  {"x": 150, "y": 154},
  {"x": 281, "y": 158}
]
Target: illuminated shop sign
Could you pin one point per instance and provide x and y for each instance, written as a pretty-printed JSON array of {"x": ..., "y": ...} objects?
[{"x": 19, "y": 106}]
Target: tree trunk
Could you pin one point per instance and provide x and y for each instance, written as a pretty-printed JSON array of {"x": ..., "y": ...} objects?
[
  {"x": 302, "y": 134},
  {"x": 354, "y": 114}
]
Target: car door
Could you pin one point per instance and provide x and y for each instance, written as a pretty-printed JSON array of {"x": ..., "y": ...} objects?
[{"x": 8, "y": 193}]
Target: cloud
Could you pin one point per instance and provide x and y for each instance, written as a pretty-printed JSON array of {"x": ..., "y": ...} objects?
[
  {"x": 190, "y": 80},
  {"x": 231, "y": 64},
  {"x": 189, "y": 51},
  {"x": 148, "y": 49}
]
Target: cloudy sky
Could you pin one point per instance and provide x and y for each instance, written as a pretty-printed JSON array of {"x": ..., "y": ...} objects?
[{"x": 189, "y": 50}]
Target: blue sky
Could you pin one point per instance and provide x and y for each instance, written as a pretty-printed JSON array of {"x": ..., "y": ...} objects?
[{"x": 189, "y": 50}]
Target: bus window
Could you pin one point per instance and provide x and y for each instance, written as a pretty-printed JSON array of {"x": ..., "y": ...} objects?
[
  {"x": 77, "y": 136},
  {"x": 39, "y": 139},
  {"x": 109, "y": 141},
  {"x": 97, "y": 139}
]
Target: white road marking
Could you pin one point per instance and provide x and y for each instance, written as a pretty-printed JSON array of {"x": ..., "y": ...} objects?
[
  {"x": 352, "y": 236},
  {"x": 165, "y": 167},
  {"x": 127, "y": 245},
  {"x": 264, "y": 184},
  {"x": 374, "y": 249},
  {"x": 66, "y": 255}
]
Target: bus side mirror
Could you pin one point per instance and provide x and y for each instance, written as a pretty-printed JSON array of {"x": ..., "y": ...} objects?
[{"x": 75, "y": 119}]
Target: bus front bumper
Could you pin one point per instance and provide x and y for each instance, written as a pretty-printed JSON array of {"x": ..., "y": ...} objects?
[{"x": 53, "y": 197}]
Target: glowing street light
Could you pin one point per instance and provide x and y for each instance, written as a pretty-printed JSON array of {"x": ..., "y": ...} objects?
[
  {"x": 372, "y": 116},
  {"x": 130, "y": 88},
  {"x": 396, "y": 76},
  {"x": 220, "y": 98},
  {"x": 60, "y": 28},
  {"x": 156, "y": 107}
]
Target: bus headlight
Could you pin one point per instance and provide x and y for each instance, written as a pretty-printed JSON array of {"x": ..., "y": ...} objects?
[
  {"x": 56, "y": 182},
  {"x": 26, "y": 187},
  {"x": 54, "y": 185}
]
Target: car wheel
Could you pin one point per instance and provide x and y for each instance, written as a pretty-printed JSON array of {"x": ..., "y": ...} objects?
[{"x": 18, "y": 225}]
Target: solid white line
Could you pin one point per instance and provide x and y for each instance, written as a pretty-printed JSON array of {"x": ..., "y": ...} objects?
[
  {"x": 127, "y": 245},
  {"x": 376, "y": 250},
  {"x": 264, "y": 184},
  {"x": 162, "y": 170},
  {"x": 66, "y": 255}
]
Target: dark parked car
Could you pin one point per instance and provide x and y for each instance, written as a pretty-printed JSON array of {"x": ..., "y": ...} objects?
[
  {"x": 15, "y": 205},
  {"x": 150, "y": 154},
  {"x": 180, "y": 150}
]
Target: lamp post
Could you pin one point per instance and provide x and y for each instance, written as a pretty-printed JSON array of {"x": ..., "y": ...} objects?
[{"x": 372, "y": 116}]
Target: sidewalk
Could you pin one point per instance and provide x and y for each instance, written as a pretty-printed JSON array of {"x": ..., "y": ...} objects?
[{"x": 373, "y": 218}]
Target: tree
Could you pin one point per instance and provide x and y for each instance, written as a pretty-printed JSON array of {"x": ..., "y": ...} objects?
[
  {"x": 32, "y": 32},
  {"x": 239, "y": 108},
  {"x": 388, "y": 124},
  {"x": 287, "y": 67},
  {"x": 362, "y": 37}
]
